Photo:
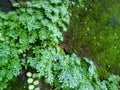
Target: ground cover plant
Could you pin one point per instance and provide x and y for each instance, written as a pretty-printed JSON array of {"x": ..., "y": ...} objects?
[{"x": 29, "y": 38}]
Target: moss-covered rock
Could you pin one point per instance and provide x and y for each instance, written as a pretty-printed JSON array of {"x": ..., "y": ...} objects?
[{"x": 94, "y": 32}]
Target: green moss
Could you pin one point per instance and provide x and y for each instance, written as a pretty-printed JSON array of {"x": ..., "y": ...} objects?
[{"x": 94, "y": 33}]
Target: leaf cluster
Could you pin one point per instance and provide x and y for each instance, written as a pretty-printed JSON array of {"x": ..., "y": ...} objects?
[
  {"x": 29, "y": 37},
  {"x": 26, "y": 32}
]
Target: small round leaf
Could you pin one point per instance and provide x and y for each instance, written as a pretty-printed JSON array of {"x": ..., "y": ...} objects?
[
  {"x": 29, "y": 74},
  {"x": 30, "y": 80},
  {"x": 31, "y": 87},
  {"x": 36, "y": 82},
  {"x": 37, "y": 88}
]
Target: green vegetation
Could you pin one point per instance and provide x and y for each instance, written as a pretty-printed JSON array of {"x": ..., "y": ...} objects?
[
  {"x": 29, "y": 38},
  {"x": 28, "y": 34},
  {"x": 94, "y": 33}
]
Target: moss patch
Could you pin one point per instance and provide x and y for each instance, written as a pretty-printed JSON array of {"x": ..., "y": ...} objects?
[{"x": 94, "y": 32}]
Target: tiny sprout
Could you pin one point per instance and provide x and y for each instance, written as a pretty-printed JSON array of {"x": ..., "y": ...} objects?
[
  {"x": 31, "y": 87},
  {"x": 30, "y": 80},
  {"x": 29, "y": 74},
  {"x": 36, "y": 82}
]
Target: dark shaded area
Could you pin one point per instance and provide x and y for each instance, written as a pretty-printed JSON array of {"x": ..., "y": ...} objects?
[{"x": 6, "y": 5}]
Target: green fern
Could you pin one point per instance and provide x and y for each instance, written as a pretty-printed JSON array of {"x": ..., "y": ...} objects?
[{"x": 30, "y": 36}]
